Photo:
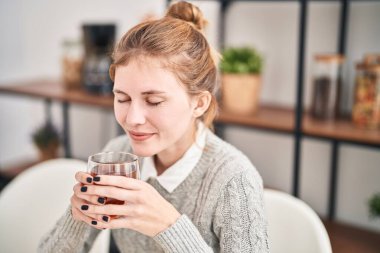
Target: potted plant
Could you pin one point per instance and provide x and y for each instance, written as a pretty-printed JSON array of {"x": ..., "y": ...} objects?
[
  {"x": 374, "y": 206},
  {"x": 241, "y": 81},
  {"x": 46, "y": 138}
]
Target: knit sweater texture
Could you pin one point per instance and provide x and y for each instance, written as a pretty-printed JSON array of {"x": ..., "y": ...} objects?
[{"x": 221, "y": 206}]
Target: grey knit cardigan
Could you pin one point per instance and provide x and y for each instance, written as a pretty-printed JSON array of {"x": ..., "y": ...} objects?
[{"x": 221, "y": 202}]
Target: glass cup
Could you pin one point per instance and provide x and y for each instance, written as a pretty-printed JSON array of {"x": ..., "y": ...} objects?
[{"x": 114, "y": 163}]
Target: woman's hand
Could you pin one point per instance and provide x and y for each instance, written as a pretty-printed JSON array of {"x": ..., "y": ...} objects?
[
  {"x": 145, "y": 210},
  {"x": 80, "y": 200}
]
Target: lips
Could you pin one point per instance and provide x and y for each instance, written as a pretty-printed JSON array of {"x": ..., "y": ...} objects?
[{"x": 139, "y": 136}]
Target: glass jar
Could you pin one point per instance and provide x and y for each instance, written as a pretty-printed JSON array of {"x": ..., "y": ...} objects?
[
  {"x": 72, "y": 64},
  {"x": 366, "y": 109},
  {"x": 327, "y": 83}
]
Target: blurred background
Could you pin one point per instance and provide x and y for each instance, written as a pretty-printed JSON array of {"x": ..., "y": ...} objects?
[{"x": 37, "y": 36}]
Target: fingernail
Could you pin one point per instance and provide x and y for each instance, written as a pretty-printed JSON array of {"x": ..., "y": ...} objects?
[
  {"x": 84, "y": 207},
  {"x": 96, "y": 179},
  {"x": 101, "y": 200},
  {"x": 89, "y": 180},
  {"x": 83, "y": 189},
  {"x": 105, "y": 218},
  {"x": 94, "y": 222}
]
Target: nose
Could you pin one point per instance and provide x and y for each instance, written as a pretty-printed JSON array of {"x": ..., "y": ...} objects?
[{"x": 135, "y": 115}]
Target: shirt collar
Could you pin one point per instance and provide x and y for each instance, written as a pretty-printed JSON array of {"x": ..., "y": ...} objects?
[{"x": 172, "y": 177}]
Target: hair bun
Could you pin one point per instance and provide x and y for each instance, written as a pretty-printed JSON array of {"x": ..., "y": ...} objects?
[{"x": 187, "y": 12}]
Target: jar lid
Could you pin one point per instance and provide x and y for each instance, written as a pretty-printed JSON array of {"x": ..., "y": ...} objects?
[
  {"x": 71, "y": 42},
  {"x": 361, "y": 66},
  {"x": 374, "y": 68},
  {"x": 338, "y": 58},
  {"x": 367, "y": 67},
  {"x": 371, "y": 59}
]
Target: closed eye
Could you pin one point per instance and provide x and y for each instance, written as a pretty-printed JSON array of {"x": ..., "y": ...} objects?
[
  {"x": 154, "y": 103},
  {"x": 123, "y": 100}
]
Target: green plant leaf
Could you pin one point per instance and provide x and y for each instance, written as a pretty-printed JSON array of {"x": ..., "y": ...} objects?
[
  {"x": 243, "y": 60},
  {"x": 374, "y": 206}
]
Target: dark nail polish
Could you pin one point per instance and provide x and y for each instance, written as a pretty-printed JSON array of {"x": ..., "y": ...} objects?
[
  {"x": 105, "y": 218},
  {"x": 94, "y": 222},
  {"x": 83, "y": 189},
  {"x": 84, "y": 207},
  {"x": 89, "y": 180},
  {"x": 96, "y": 179},
  {"x": 101, "y": 200}
]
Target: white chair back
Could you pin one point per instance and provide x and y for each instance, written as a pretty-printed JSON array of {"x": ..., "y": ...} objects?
[
  {"x": 32, "y": 203},
  {"x": 293, "y": 226}
]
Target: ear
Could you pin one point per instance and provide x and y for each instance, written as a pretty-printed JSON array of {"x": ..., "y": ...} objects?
[{"x": 201, "y": 103}]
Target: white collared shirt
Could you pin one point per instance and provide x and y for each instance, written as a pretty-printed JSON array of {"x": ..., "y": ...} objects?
[{"x": 172, "y": 177}]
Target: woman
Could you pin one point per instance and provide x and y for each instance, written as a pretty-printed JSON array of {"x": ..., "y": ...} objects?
[{"x": 197, "y": 193}]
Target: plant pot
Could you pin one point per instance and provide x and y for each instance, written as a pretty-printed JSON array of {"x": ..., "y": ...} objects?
[
  {"x": 49, "y": 152},
  {"x": 240, "y": 93}
]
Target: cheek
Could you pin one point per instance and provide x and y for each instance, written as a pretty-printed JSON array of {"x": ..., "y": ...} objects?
[
  {"x": 119, "y": 115},
  {"x": 174, "y": 117}
]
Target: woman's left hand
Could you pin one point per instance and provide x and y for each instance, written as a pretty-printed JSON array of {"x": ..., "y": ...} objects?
[{"x": 145, "y": 210}]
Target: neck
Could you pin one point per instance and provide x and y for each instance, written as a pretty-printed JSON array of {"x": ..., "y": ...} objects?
[{"x": 166, "y": 159}]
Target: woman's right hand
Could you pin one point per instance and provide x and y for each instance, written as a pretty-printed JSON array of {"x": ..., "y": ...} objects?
[{"x": 80, "y": 201}]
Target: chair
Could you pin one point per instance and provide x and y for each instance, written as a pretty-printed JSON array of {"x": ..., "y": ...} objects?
[
  {"x": 32, "y": 203},
  {"x": 293, "y": 226}
]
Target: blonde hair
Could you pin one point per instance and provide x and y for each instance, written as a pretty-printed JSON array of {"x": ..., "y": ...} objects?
[{"x": 177, "y": 40}]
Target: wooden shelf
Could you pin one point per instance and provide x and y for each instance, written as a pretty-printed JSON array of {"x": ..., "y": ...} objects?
[
  {"x": 278, "y": 119},
  {"x": 282, "y": 119},
  {"x": 268, "y": 117},
  {"x": 13, "y": 171},
  {"x": 55, "y": 90},
  {"x": 343, "y": 130}
]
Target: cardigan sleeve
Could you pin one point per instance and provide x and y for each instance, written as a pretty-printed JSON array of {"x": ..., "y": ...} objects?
[
  {"x": 239, "y": 221},
  {"x": 68, "y": 235},
  {"x": 182, "y": 236}
]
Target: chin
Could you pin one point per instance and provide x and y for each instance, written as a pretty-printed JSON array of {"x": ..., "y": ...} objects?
[{"x": 142, "y": 151}]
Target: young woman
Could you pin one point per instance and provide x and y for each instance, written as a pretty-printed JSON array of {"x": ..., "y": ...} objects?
[{"x": 197, "y": 193}]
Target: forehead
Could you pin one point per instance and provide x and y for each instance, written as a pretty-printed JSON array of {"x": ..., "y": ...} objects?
[{"x": 145, "y": 74}]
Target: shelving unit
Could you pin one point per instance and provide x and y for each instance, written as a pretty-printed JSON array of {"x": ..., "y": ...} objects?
[{"x": 296, "y": 122}]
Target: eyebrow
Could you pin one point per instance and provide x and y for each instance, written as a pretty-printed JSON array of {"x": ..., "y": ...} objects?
[{"x": 149, "y": 92}]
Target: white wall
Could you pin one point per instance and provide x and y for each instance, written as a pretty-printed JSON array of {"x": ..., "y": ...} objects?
[{"x": 32, "y": 32}]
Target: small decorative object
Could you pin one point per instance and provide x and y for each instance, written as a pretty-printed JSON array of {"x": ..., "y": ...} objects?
[
  {"x": 241, "y": 81},
  {"x": 327, "y": 84},
  {"x": 46, "y": 138},
  {"x": 374, "y": 206},
  {"x": 72, "y": 64},
  {"x": 366, "y": 109}
]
